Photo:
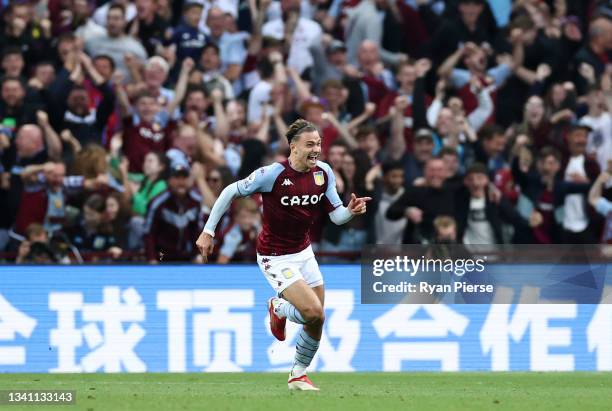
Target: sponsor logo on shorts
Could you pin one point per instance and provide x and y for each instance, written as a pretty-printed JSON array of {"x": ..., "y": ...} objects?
[{"x": 287, "y": 273}]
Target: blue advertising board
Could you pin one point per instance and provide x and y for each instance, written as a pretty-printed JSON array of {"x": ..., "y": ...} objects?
[{"x": 214, "y": 318}]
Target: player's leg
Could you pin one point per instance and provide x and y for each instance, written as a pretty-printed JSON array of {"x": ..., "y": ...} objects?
[
  {"x": 282, "y": 272},
  {"x": 307, "y": 301},
  {"x": 302, "y": 303},
  {"x": 314, "y": 329},
  {"x": 308, "y": 340}
]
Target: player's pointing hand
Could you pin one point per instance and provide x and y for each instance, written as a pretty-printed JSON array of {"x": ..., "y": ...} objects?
[
  {"x": 357, "y": 205},
  {"x": 205, "y": 245}
]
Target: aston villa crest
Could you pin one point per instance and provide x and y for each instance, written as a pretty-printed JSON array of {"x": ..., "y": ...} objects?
[{"x": 318, "y": 178}]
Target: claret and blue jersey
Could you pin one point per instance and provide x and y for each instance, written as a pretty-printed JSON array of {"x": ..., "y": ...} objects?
[{"x": 292, "y": 201}]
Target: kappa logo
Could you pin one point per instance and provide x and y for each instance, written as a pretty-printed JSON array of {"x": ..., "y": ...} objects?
[{"x": 287, "y": 182}]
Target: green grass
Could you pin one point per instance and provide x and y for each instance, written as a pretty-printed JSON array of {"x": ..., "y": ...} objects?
[{"x": 388, "y": 391}]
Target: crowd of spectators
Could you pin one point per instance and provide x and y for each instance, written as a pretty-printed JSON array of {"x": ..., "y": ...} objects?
[{"x": 467, "y": 121}]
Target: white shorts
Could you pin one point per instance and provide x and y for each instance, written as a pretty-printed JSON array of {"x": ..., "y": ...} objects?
[{"x": 283, "y": 270}]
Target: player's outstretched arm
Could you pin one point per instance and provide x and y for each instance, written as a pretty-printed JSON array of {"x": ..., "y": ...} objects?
[
  {"x": 356, "y": 206},
  {"x": 259, "y": 181},
  {"x": 205, "y": 240}
]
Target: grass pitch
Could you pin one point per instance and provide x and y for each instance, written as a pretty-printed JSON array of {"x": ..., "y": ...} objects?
[{"x": 360, "y": 391}]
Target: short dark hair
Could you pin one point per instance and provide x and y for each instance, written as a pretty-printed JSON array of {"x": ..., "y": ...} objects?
[
  {"x": 365, "y": 131},
  {"x": 523, "y": 22},
  {"x": 95, "y": 202},
  {"x": 338, "y": 143},
  {"x": 477, "y": 168},
  {"x": 447, "y": 151},
  {"x": 195, "y": 89},
  {"x": 391, "y": 165},
  {"x": 549, "y": 151},
  {"x": 210, "y": 46},
  {"x": 331, "y": 83},
  {"x": 10, "y": 50},
  {"x": 11, "y": 78},
  {"x": 117, "y": 6},
  {"x": 265, "y": 68},
  {"x": 143, "y": 94},
  {"x": 488, "y": 131},
  {"x": 299, "y": 127},
  {"x": 67, "y": 36},
  {"x": 107, "y": 58}
]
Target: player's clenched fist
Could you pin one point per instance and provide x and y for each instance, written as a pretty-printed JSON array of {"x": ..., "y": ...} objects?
[
  {"x": 357, "y": 205},
  {"x": 205, "y": 245}
]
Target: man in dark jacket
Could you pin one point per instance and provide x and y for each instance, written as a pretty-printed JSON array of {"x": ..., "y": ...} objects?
[
  {"x": 479, "y": 220},
  {"x": 174, "y": 220},
  {"x": 422, "y": 204}
]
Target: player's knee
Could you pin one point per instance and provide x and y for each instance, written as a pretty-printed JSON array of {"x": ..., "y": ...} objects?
[{"x": 313, "y": 313}]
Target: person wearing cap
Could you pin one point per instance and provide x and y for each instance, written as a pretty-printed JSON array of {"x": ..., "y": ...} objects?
[
  {"x": 414, "y": 163},
  {"x": 174, "y": 219},
  {"x": 479, "y": 220},
  {"x": 328, "y": 61}
]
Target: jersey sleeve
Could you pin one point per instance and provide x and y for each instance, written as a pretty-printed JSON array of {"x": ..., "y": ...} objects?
[
  {"x": 259, "y": 181},
  {"x": 332, "y": 199},
  {"x": 459, "y": 78},
  {"x": 231, "y": 241}
]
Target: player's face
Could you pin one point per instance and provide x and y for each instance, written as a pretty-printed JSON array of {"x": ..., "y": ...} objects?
[{"x": 306, "y": 150}]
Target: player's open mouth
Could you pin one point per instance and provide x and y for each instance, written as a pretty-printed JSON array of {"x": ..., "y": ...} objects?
[{"x": 313, "y": 157}]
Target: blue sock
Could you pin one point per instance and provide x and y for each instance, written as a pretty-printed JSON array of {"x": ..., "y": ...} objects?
[
  {"x": 285, "y": 309},
  {"x": 305, "y": 349}
]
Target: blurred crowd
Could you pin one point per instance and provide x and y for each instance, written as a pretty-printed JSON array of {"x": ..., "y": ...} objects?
[{"x": 467, "y": 121}]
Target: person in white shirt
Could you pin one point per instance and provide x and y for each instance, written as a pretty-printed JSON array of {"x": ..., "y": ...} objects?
[
  {"x": 299, "y": 32},
  {"x": 580, "y": 168},
  {"x": 600, "y": 120},
  {"x": 389, "y": 231}
]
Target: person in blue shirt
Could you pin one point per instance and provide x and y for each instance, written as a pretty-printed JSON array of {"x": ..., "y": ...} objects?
[{"x": 187, "y": 37}]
